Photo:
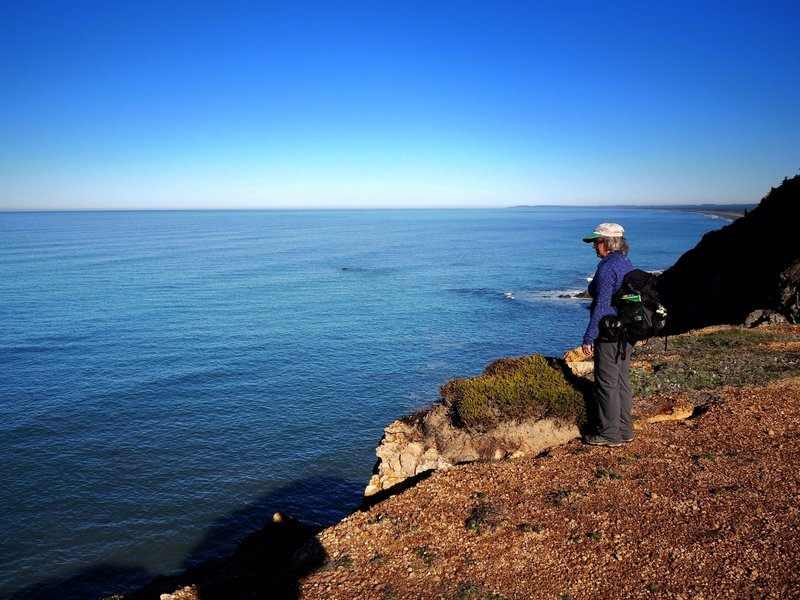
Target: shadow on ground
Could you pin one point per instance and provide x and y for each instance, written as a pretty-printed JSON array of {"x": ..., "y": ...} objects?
[{"x": 262, "y": 556}]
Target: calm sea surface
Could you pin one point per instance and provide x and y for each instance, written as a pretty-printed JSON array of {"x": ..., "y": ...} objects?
[{"x": 168, "y": 380}]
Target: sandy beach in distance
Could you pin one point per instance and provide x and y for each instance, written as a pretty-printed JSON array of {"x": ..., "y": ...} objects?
[{"x": 731, "y": 215}]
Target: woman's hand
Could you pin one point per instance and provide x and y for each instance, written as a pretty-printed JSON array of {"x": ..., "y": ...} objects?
[{"x": 588, "y": 349}]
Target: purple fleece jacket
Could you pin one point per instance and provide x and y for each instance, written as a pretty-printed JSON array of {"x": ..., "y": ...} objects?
[{"x": 607, "y": 280}]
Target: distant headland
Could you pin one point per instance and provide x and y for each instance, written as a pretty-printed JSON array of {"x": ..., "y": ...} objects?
[{"x": 724, "y": 211}]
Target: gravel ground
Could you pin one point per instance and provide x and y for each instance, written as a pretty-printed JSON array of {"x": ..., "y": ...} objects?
[{"x": 703, "y": 508}]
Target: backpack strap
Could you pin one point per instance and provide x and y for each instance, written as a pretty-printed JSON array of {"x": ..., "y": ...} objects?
[{"x": 622, "y": 345}]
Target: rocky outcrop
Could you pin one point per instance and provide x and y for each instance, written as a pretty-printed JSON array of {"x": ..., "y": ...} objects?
[
  {"x": 468, "y": 424},
  {"x": 789, "y": 292},
  {"x": 750, "y": 264},
  {"x": 187, "y": 593},
  {"x": 413, "y": 447},
  {"x": 427, "y": 441},
  {"x": 763, "y": 318},
  {"x": 577, "y": 362}
]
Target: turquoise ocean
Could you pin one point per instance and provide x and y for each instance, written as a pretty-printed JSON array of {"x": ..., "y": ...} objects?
[{"x": 168, "y": 380}]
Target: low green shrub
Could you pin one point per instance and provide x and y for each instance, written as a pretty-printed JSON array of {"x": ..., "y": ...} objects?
[
  {"x": 513, "y": 389},
  {"x": 472, "y": 591},
  {"x": 557, "y": 498},
  {"x": 607, "y": 474},
  {"x": 425, "y": 554},
  {"x": 484, "y": 516},
  {"x": 529, "y": 528},
  {"x": 340, "y": 563}
]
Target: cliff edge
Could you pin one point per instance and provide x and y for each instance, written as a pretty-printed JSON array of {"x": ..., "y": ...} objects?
[
  {"x": 704, "y": 502},
  {"x": 752, "y": 264},
  {"x": 746, "y": 272},
  {"x": 700, "y": 508}
]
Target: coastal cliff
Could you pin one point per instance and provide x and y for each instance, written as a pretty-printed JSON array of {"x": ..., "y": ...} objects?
[
  {"x": 410, "y": 449},
  {"x": 517, "y": 407},
  {"x": 752, "y": 264},
  {"x": 748, "y": 272},
  {"x": 700, "y": 508},
  {"x": 702, "y": 503}
]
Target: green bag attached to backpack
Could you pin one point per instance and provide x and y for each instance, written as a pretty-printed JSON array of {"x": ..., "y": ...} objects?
[{"x": 637, "y": 304}]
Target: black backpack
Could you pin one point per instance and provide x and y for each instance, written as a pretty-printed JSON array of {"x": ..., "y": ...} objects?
[{"x": 638, "y": 306}]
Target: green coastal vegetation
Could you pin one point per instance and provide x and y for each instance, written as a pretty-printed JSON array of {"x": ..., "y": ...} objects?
[
  {"x": 513, "y": 389},
  {"x": 703, "y": 360},
  {"x": 535, "y": 387}
]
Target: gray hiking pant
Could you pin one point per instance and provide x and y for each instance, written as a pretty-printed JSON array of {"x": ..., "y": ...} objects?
[{"x": 612, "y": 392}]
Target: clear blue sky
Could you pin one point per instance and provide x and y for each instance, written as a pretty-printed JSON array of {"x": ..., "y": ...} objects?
[{"x": 171, "y": 104}]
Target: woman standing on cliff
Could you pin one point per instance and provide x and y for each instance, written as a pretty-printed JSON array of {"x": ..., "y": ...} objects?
[{"x": 610, "y": 412}]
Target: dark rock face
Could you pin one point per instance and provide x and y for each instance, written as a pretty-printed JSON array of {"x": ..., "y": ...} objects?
[
  {"x": 753, "y": 263},
  {"x": 267, "y": 564},
  {"x": 789, "y": 292}
]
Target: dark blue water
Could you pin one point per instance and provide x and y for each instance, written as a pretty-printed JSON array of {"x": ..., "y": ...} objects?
[{"x": 169, "y": 379}]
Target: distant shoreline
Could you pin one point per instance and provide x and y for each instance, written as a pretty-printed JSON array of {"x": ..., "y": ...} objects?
[
  {"x": 727, "y": 213},
  {"x": 730, "y": 212}
]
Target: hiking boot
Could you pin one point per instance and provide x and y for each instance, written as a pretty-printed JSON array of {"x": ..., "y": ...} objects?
[{"x": 599, "y": 440}]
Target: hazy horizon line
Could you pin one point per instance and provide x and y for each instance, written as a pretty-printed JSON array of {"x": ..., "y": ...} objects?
[{"x": 707, "y": 205}]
